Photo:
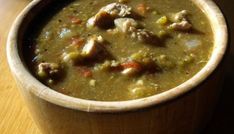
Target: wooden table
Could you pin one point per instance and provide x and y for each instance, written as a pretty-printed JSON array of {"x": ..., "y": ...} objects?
[{"x": 14, "y": 117}]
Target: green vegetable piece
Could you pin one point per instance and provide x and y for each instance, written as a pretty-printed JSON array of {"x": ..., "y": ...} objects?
[
  {"x": 42, "y": 74},
  {"x": 163, "y": 20},
  {"x": 188, "y": 59},
  {"x": 105, "y": 66},
  {"x": 73, "y": 57},
  {"x": 162, "y": 34},
  {"x": 92, "y": 83},
  {"x": 137, "y": 56},
  {"x": 154, "y": 12},
  {"x": 50, "y": 81},
  {"x": 164, "y": 62},
  {"x": 137, "y": 92}
]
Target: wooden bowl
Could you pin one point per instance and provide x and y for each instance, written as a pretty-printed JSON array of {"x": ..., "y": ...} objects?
[{"x": 184, "y": 109}]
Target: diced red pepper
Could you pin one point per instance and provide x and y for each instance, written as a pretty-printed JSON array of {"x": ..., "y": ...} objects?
[
  {"x": 75, "y": 20},
  {"x": 141, "y": 9},
  {"x": 77, "y": 41},
  {"x": 85, "y": 72},
  {"x": 131, "y": 64}
]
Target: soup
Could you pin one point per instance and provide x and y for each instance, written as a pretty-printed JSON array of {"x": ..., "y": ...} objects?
[{"x": 116, "y": 50}]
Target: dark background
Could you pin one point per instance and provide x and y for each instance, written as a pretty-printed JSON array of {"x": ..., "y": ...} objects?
[{"x": 223, "y": 118}]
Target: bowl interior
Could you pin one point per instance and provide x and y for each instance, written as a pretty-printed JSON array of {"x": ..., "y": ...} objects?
[{"x": 24, "y": 77}]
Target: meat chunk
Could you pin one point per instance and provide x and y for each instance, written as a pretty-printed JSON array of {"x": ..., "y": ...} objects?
[
  {"x": 181, "y": 26},
  {"x": 124, "y": 24},
  {"x": 131, "y": 27},
  {"x": 102, "y": 19},
  {"x": 93, "y": 46},
  {"x": 46, "y": 70},
  {"x": 123, "y": 1},
  {"x": 106, "y": 15},
  {"x": 146, "y": 36},
  {"x": 117, "y": 10},
  {"x": 92, "y": 49},
  {"x": 181, "y": 22},
  {"x": 180, "y": 16}
]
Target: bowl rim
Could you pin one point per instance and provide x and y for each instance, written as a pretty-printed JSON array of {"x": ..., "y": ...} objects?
[{"x": 28, "y": 82}]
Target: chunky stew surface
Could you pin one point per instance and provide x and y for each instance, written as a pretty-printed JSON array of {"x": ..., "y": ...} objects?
[{"x": 112, "y": 50}]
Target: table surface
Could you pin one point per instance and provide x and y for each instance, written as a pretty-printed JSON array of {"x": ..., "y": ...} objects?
[{"x": 15, "y": 118}]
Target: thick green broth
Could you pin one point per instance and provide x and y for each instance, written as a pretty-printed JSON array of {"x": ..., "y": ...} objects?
[{"x": 175, "y": 60}]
